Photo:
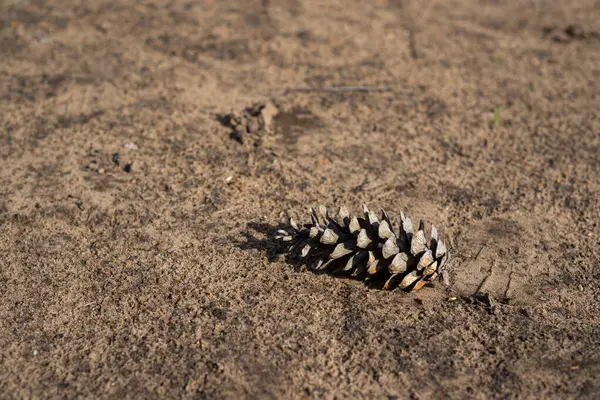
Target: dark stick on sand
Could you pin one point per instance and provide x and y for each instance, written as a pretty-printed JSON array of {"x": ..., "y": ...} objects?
[{"x": 341, "y": 89}]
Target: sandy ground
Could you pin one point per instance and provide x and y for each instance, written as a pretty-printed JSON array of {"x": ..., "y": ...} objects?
[{"x": 147, "y": 148}]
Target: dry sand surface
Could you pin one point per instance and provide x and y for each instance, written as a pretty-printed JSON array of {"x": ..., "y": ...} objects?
[{"x": 147, "y": 149}]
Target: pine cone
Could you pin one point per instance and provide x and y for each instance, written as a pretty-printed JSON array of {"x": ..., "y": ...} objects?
[{"x": 367, "y": 247}]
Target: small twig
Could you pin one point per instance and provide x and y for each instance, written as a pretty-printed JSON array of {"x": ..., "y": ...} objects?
[
  {"x": 339, "y": 89},
  {"x": 509, "y": 282},
  {"x": 481, "y": 249}
]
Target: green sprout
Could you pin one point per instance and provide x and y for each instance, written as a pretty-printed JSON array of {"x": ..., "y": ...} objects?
[{"x": 497, "y": 116}]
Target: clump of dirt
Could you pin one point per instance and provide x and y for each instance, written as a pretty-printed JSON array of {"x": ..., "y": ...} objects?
[{"x": 252, "y": 124}]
